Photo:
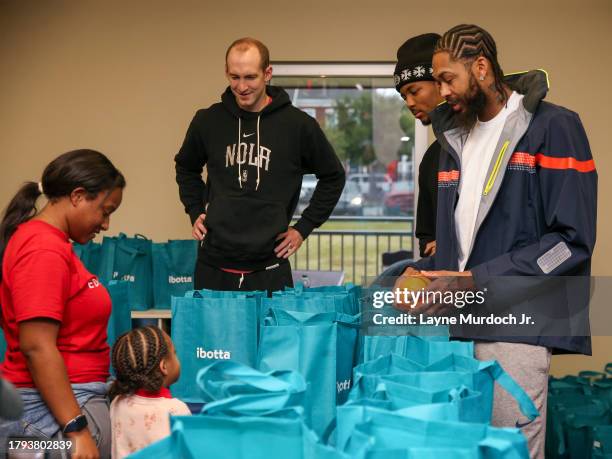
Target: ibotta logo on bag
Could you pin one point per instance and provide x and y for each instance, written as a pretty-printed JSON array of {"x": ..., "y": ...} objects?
[
  {"x": 180, "y": 279},
  {"x": 342, "y": 386},
  {"x": 125, "y": 277},
  {"x": 217, "y": 354}
]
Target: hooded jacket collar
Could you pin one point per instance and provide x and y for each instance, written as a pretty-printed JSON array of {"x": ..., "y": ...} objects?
[
  {"x": 279, "y": 96},
  {"x": 280, "y": 99},
  {"x": 532, "y": 84}
]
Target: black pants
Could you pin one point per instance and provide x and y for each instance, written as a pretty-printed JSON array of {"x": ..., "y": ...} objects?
[{"x": 212, "y": 278}]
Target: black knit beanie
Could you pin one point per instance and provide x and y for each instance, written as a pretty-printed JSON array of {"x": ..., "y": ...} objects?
[{"x": 414, "y": 60}]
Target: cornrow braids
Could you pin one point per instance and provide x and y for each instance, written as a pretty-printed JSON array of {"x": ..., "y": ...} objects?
[
  {"x": 135, "y": 358},
  {"x": 467, "y": 42}
]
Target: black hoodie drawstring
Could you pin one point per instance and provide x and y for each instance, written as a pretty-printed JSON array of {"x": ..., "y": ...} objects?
[
  {"x": 238, "y": 153},
  {"x": 258, "y": 157}
]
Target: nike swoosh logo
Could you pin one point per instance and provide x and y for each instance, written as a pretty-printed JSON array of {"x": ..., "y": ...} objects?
[
  {"x": 247, "y": 135},
  {"x": 521, "y": 425}
]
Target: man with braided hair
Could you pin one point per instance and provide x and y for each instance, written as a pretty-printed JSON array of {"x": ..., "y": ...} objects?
[
  {"x": 517, "y": 196},
  {"x": 145, "y": 364}
]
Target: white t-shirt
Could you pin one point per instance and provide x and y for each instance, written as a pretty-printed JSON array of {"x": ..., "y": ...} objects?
[
  {"x": 138, "y": 421},
  {"x": 476, "y": 158}
]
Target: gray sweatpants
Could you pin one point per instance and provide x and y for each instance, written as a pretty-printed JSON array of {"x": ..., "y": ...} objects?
[{"x": 528, "y": 365}]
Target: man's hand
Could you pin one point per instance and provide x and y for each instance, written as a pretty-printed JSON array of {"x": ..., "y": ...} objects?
[
  {"x": 430, "y": 249},
  {"x": 199, "y": 230},
  {"x": 454, "y": 280},
  {"x": 404, "y": 282},
  {"x": 291, "y": 242},
  {"x": 410, "y": 271},
  {"x": 444, "y": 281},
  {"x": 440, "y": 281}
]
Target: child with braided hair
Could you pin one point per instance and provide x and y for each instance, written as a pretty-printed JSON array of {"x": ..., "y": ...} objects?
[{"x": 145, "y": 363}]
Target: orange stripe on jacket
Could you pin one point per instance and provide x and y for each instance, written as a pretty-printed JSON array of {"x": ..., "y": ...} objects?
[
  {"x": 523, "y": 159},
  {"x": 549, "y": 162},
  {"x": 448, "y": 176}
]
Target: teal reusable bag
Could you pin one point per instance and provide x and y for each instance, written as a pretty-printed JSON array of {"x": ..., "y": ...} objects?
[
  {"x": 209, "y": 329},
  {"x": 563, "y": 393},
  {"x": 568, "y": 385},
  {"x": 256, "y": 295},
  {"x": 250, "y": 437},
  {"x": 106, "y": 260},
  {"x": 449, "y": 372},
  {"x": 427, "y": 438},
  {"x": 130, "y": 260},
  {"x": 485, "y": 374},
  {"x": 343, "y": 299},
  {"x": 580, "y": 426},
  {"x": 366, "y": 376},
  {"x": 556, "y": 410},
  {"x": 348, "y": 288},
  {"x": 591, "y": 376},
  {"x": 453, "y": 405},
  {"x": 2, "y": 346},
  {"x": 602, "y": 390},
  {"x": 120, "y": 320},
  {"x": 321, "y": 347},
  {"x": 355, "y": 293},
  {"x": 570, "y": 422},
  {"x": 173, "y": 269},
  {"x": 91, "y": 256},
  {"x": 575, "y": 405},
  {"x": 481, "y": 381},
  {"x": 602, "y": 442},
  {"x": 233, "y": 389},
  {"x": 459, "y": 404},
  {"x": 301, "y": 303},
  {"x": 418, "y": 349},
  {"x": 205, "y": 293},
  {"x": 349, "y": 415}
]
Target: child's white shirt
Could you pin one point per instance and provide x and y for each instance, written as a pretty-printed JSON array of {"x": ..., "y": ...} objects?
[{"x": 137, "y": 420}]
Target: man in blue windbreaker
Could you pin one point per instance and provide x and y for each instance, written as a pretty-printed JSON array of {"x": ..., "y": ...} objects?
[{"x": 517, "y": 196}]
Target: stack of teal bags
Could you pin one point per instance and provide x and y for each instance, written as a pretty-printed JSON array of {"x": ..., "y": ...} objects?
[
  {"x": 312, "y": 331},
  {"x": 292, "y": 376},
  {"x": 139, "y": 274},
  {"x": 432, "y": 400},
  {"x": 154, "y": 271},
  {"x": 579, "y": 418},
  {"x": 248, "y": 414}
]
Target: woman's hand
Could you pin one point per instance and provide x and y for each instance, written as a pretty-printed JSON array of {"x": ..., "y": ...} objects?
[{"x": 84, "y": 445}]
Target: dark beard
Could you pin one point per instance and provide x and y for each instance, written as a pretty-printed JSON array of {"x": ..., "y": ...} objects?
[{"x": 473, "y": 102}]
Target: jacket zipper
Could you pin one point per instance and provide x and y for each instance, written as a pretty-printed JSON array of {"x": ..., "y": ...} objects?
[{"x": 495, "y": 170}]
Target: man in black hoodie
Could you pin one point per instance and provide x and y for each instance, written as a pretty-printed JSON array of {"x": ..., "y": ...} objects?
[
  {"x": 256, "y": 147},
  {"x": 414, "y": 81}
]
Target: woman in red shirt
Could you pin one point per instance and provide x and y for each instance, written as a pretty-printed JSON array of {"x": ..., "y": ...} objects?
[{"x": 54, "y": 312}]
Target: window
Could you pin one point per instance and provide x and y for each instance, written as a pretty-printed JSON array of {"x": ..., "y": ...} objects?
[
  {"x": 367, "y": 122},
  {"x": 377, "y": 140}
]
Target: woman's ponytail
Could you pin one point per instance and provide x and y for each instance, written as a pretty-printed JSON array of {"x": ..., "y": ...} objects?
[{"x": 21, "y": 208}]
